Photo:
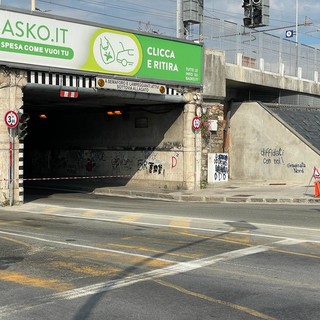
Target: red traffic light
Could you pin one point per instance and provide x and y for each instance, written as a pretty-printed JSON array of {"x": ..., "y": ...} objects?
[{"x": 24, "y": 117}]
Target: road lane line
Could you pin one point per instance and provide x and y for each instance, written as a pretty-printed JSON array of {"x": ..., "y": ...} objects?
[
  {"x": 113, "y": 257},
  {"x": 85, "y": 269},
  {"x": 17, "y": 241},
  {"x": 51, "y": 210},
  {"x": 68, "y": 244},
  {"x": 110, "y": 285},
  {"x": 174, "y": 254},
  {"x": 258, "y": 276},
  {"x": 132, "y": 217},
  {"x": 182, "y": 223},
  {"x": 88, "y": 213},
  {"x": 219, "y": 231},
  {"x": 231, "y": 305},
  {"x": 312, "y": 256},
  {"x": 25, "y": 280},
  {"x": 166, "y": 217}
]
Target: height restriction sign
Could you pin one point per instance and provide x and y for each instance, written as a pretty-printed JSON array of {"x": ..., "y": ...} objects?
[{"x": 11, "y": 119}]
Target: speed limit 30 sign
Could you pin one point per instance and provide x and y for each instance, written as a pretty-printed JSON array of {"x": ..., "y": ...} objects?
[{"x": 11, "y": 119}]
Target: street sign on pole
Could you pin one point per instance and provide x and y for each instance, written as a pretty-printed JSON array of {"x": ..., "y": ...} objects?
[
  {"x": 289, "y": 33},
  {"x": 11, "y": 119},
  {"x": 196, "y": 123}
]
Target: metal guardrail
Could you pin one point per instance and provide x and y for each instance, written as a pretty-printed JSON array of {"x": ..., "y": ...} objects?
[{"x": 278, "y": 55}]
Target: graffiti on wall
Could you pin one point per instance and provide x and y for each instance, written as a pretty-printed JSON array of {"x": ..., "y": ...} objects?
[
  {"x": 121, "y": 161},
  {"x": 107, "y": 162},
  {"x": 150, "y": 166},
  {"x": 272, "y": 156},
  {"x": 220, "y": 164},
  {"x": 90, "y": 164},
  {"x": 174, "y": 160},
  {"x": 168, "y": 145},
  {"x": 275, "y": 156},
  {"x": 297, "y": 167}
]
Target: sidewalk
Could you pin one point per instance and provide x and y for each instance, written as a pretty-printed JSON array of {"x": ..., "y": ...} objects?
[{"x": 230, "y": 192}]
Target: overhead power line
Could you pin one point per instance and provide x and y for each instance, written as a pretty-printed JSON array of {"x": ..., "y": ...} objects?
[
  {"x": 108, "y": 15},
  {"x": 101, "y": 13}
]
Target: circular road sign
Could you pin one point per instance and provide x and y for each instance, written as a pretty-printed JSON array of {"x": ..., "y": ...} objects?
[
  {"x": 196, "y": 123},
  {"x": 289, "y": 33},
  {"x": 11, "y": 119}
]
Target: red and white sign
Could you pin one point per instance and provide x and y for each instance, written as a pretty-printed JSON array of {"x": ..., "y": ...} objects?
[
  {"x": 11, "y": 119},
  {"x": 69, "y": 94},
  {"x": 196, "y": 123},
  {"x": 316, "y": 173}
]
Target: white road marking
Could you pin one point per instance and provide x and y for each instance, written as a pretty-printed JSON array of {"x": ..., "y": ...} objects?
[
  {"x": 19, "y": 235},
  {"x": 155, "y": 216},
  {"x": 103, "y": 287},
  {"x": 167, "y": 217}
]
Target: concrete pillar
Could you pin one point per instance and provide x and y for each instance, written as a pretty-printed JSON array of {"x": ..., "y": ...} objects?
[
  {"x": 281, "y": 69},
  {"x": 11, "y": 83},
  {"x": 239, "y": 59},
  {"x": 261, "y": 64},
  {"x": 189, "y": 147},
  {"x": 299, "y": 73}
]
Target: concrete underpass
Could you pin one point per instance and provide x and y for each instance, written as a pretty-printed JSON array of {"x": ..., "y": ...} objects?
[{"x": 102, "y": 137}]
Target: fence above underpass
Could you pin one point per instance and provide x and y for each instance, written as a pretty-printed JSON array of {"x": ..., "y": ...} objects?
[{"x": 278, "y": 55}]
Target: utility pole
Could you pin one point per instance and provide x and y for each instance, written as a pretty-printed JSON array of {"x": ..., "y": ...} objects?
[
  {"x": 191, "y": 15},
  {"x": 33, "y": 5},
  {"x": 297, "y": 18},
  {"x": 180, "y": 31}
]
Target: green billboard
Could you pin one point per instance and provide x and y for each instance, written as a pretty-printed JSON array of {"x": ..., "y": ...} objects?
[{"x": 36, "y": 40}]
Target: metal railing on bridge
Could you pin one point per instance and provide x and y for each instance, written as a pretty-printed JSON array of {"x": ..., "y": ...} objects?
[{"x": 278, "y": 55}]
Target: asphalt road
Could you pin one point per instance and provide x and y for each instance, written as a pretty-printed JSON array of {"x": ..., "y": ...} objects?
[{"x": 77, "y": 256}]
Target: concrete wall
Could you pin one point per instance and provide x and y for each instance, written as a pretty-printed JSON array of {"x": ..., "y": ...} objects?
[
  {"x": 264, "y": 149},
  {"x": 214, "y": 75},
  {"x": 148, "y": 146},
  {"x": 280, "y": 81},
  {"x": 217, "y": 71}
]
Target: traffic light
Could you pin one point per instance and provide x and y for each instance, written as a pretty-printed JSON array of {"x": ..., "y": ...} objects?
[
  {"x": 23, "y": 125},
  {"x": 256, "y": 13},
  {"x": 247, "y": 12}
]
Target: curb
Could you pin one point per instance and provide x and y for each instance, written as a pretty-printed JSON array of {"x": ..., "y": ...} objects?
[
  {"x": 204, "y": 198},
  {"x": 183, "y": 197}
]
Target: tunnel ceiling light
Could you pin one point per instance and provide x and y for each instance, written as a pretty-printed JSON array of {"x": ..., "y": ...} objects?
[
  {"x": 43, "y": 116},
  {"x": 114, "y": 113}
]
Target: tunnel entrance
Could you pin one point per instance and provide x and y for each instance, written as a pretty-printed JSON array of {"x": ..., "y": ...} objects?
[{"x": 98, "y": 139}]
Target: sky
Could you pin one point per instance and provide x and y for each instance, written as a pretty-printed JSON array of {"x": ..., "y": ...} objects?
[{"x": 159, "y": 16}]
